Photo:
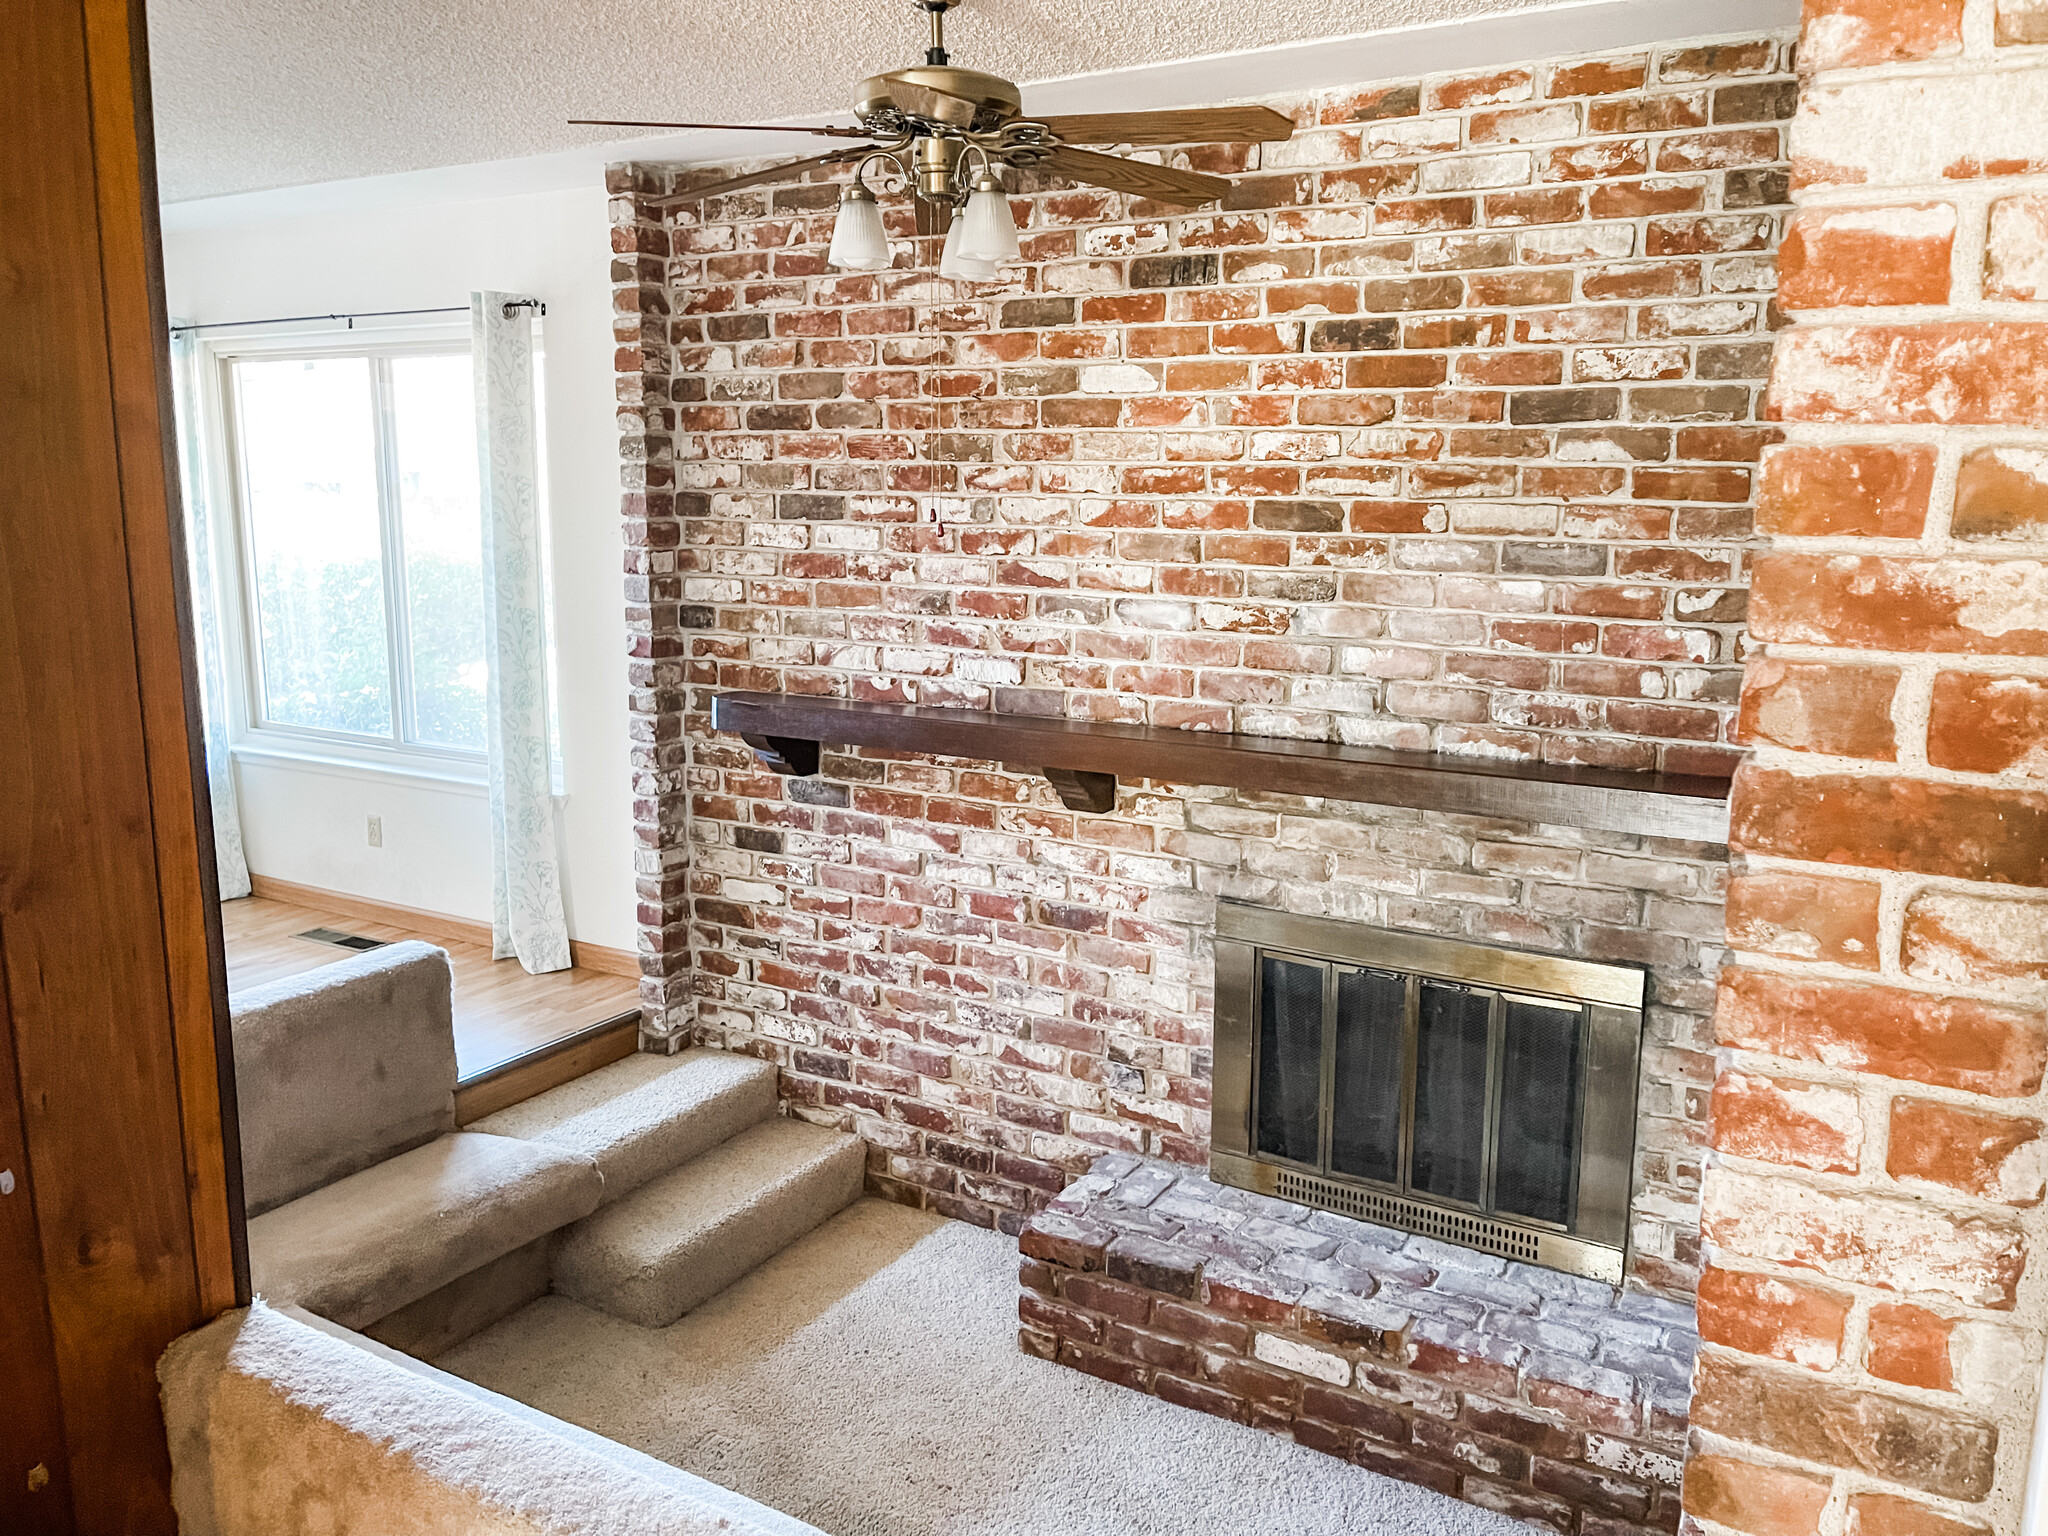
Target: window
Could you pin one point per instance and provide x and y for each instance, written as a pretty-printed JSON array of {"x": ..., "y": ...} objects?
[{"x": 362, "y": 544}]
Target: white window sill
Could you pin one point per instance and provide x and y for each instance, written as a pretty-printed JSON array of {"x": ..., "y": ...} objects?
[
  {"x": 368, "y": 764},
  {"x": 448, "y": 774}
]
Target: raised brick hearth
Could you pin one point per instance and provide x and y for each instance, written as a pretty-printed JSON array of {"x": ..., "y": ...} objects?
[
  {"x": 1539, "y": 1394},
  {"x": 1448, "y": 432}
]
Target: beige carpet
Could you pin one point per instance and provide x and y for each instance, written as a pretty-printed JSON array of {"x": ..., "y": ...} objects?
[{"x": 868, "y": 1381}]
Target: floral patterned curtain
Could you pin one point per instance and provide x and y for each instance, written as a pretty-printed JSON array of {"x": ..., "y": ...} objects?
[{"x": 526, "y": 875}]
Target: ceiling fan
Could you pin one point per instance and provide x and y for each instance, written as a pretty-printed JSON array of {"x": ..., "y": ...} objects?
[{"x": 931, "y": 123}]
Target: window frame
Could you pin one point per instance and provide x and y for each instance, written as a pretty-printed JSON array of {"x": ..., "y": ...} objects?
[{"x": 255, "y": 733}]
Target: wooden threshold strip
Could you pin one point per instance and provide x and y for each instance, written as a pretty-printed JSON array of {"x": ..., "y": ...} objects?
[
  {"x": 1083, "y": 760},
  {"x": 548, "y": 1066}
]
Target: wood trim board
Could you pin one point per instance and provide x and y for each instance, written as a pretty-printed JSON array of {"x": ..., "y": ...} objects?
[
  {"x": 443, "y": 926},
  {"x": 558, "y": 1062}
]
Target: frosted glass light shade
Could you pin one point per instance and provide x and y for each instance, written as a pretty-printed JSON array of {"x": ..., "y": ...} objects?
[
  {"x": 961, "y": 268},
  {"x": 858, "y": 239},
  {"x": 990, "y": 233}
]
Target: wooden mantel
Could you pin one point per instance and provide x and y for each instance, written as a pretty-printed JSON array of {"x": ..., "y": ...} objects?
[{"x": 1083, "y": 760}]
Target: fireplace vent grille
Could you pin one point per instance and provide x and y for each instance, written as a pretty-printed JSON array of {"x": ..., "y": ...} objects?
[{"x": 1410, "y": 1215}]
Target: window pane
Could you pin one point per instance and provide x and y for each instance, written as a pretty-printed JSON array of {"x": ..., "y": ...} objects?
[
  {"x": 309, "y": 458},
  {"x": 1450, "y": 1093},
  {"x": 438, "y": 514},
  {"x": 1290, "y": 1058}
]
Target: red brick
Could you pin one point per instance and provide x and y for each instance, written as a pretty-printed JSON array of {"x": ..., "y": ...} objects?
[
  {"x": 1062, "y": 1322},
  {"x": 1841, "y": 34},
  {"x": 1805, "y": 917},
  {"x": 1983, "y": 723},
  {"x": 1995, "y": 1157},
  {"x": 2001, "y": 494},
  {"x": 1594, "y": 1410},
  {"x": 1783, "y": 1120},
  {"x": 1941, "y": 1451},
  {"x": 1762, "y": 1314},
  {"x": 1535, "y": 1434},
  {"x": 1375, "y": 104},
  {"x": 1844, "y": 711},
  {"x": 1763, "y": 1501},
  {"x": 1123, "y": 1302},
  {"x": 1429, "y": 1358},
  {"x": 1917, "y": 1036},
  {"x": 1978, "y": 941},
  {"x": 1601, "y": 77},
  {"x": 1909, "y": 1345},
  {"x": 1407, "y": 1466},
  {"x": 1068, "y": 1241},
  {"x": 1964, "y": 372},
  {"x": 2016, "y": 243},
  {"x": 1106, "y": 1366},
  {"x": 1896, "y": 1244},
  {"x": 1886, "y": 1514},
  {"x": 1374, "y": 1415},
  {"x": 1895, "y": 254},
  {"x": 1478, "y": 90},
  {"x": 1879, "y": 602},
  {"x": 1871, "y": 490},
  {"x": 1966, "y": 832},
  {"x": 1201, "y": 1327},
  {"x": 1201, "y": 1397}
]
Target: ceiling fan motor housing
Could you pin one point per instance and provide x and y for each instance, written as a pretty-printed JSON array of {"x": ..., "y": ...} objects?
[{"x": 965, "y": 99}]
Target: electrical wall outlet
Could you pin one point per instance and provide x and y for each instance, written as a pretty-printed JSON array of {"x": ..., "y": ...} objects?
[{"x": 376, "y": 831}]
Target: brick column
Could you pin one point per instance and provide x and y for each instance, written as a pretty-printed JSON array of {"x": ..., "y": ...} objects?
[
  {"x": 654, "y": 618},
  {"x": 1873, "y": 1327}
]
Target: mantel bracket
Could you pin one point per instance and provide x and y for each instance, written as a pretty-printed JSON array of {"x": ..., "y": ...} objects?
[
  {"x": 785, "y": 754},
  {"x": 1080, "y": 790}
]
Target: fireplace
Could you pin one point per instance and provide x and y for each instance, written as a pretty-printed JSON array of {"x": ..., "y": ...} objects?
[{"x": 1477, "y": 1095}]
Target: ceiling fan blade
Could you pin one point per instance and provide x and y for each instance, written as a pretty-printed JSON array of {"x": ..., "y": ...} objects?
[
  {"x": 1163, "y": 182},
  {"x": 788, "y": 170},
  {"x": 1186, "y": 125},
  {"x": 627, "y": 122}
]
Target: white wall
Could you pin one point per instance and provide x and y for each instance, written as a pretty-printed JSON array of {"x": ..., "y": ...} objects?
[{"x": 307, "y": 823}]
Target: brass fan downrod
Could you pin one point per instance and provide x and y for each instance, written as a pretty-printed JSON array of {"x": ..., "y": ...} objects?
[{"x": 935, "y": 56}]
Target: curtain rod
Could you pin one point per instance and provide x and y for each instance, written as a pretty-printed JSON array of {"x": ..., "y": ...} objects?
[{"x": 510, "y": 305}]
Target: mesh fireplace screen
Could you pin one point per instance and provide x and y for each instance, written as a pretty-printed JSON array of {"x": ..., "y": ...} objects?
[{"x": 1454, "y": 1089}]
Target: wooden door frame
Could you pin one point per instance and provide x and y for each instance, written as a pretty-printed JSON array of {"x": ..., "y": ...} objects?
[{"x": 115, "y": 1001}]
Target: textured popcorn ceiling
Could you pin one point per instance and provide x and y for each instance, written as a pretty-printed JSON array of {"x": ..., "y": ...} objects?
[{"x": 252, "y": 95}]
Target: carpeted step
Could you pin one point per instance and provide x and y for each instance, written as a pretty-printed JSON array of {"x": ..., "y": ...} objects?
[
  {"x": 683, "y": 1238},
  {"x": 646, "y": 1115}
]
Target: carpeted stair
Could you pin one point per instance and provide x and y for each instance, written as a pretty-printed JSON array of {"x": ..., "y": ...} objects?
[
  {"x": 682, "y": 1239},
  {"x": 703, "y": 1181}
]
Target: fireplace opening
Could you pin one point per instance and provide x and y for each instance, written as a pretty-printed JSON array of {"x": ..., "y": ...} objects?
[{"x": 1483, "y": 1096}]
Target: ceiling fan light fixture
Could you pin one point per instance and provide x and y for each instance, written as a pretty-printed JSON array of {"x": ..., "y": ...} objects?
[
  {"x": 859, "y": 241},
  {"x": 959, "y": 268},
  {"x": 989, "y": 233}
]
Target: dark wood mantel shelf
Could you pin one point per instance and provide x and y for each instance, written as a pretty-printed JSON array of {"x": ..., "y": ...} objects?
[{"x": 1083, "y": 760}]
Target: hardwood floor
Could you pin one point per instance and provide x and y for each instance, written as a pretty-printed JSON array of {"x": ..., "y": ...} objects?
[{"x": 500, "y": 1011}]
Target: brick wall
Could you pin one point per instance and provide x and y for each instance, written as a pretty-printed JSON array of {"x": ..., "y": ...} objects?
[
  {"x": 1440, "y": 434},
  {"x": 1873, "y": 1326}
]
